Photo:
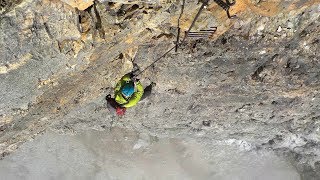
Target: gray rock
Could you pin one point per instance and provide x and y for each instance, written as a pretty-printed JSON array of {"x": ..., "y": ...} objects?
[{"x": 258, "y": 88}]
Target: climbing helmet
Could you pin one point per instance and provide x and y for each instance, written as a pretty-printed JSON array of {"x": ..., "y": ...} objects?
[{"x": 128, "y": 89}]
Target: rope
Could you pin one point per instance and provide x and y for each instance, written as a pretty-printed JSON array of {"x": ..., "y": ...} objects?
[
  {"x": 205, "y": 2},
  {"x": 178, "y": 35},
  {"x": 155, "y": 61}
]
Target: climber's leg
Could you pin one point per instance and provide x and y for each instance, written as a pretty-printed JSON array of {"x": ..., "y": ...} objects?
[
  {"x": 111, "y": 104},
  {"x": 147, "y": 91}
]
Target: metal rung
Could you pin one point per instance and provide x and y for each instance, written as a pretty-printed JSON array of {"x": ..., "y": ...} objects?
[{"x": 199, "y": 33}]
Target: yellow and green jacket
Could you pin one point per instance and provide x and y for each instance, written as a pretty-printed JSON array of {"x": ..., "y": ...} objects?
[{"x": 136, "y": 96}]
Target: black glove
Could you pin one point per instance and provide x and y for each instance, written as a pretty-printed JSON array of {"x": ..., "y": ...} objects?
[
  {"x": 108, "y": 96},
  {"x": 131, "y": 75},
  {"x": 135, "y": 79}
]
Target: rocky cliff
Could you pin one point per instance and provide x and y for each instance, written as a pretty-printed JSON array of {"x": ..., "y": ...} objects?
[{"x": 254, "y": 83}]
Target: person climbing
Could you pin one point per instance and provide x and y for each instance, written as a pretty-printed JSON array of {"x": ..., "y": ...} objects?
[{"x": 128, "y": 92}]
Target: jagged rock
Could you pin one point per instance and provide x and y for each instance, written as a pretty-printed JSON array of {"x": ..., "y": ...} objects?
[
  {"x": 246, "y": 83},
  {"x": 80, "y": 4}
]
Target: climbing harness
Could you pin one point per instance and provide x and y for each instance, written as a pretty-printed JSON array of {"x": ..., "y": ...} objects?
[{"x": 120, "y": 111}]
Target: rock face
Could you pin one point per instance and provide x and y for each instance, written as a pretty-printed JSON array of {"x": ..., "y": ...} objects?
[
  {"x": 121, "y": 154},
  {"x": 254, "y": 83}
]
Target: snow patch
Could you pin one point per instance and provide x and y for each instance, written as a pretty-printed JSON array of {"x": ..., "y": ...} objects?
[
  {"x": 243, "y": 145},
  {"x": 141, "y": 143}
]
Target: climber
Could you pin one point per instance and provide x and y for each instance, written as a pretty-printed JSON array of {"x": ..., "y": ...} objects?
[{"x": 128, "y": 92}]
